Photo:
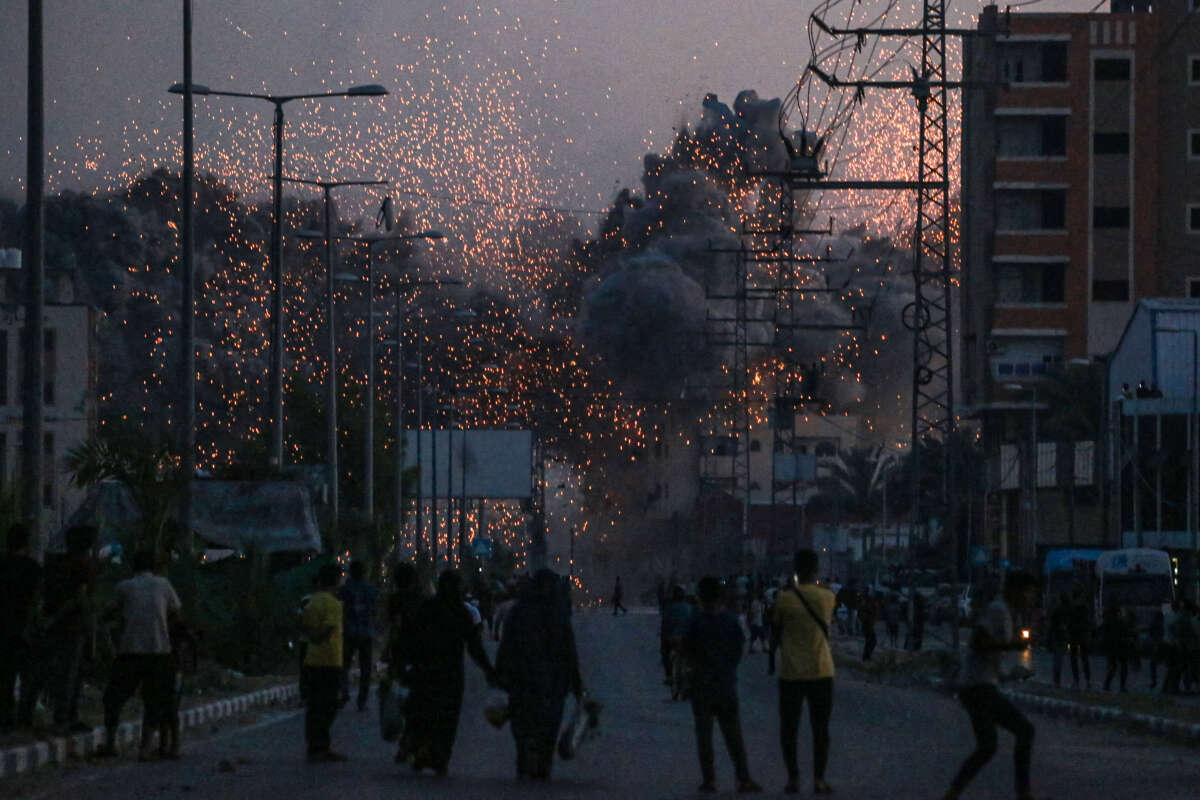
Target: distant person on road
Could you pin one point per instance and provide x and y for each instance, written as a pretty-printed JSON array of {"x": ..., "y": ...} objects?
[
  {"x": 920, "y": 614},
  {"x": 674, "y": 622},
  {"x": 617, "y": 595},
  {"x": 322, "y": 622},
  {"x": 891, "y": 620},
  {"x": 1117, "y": 634},
  {"x": 804, "y": 614},
  {"x": 538, "y": 665},
  {"x": 713, "y": 645},
  {"x": 146, "y": 603},
  {"x": 756, "y": 619},
  {"x": 359, "y": 602},
  {"x": 979, "y": 680},
  {"x": 1058, "y": 626},
  {"x": 444, "y": 630},
  {"x": 868, "y": 617},
  {"x": 20, "y": 603},
  {"x": 1079, "y": 633}
]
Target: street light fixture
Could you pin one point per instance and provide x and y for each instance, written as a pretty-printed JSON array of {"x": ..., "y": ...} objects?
[
  {"x": 275, "y": 454},
  {"x": 370, "y": 240}
]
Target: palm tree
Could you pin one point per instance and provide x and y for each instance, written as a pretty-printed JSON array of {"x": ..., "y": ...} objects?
[{"x": 149, "y": 471}]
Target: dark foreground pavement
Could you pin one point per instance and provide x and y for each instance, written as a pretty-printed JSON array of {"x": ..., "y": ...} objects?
[{"x": 887, "y": 743}]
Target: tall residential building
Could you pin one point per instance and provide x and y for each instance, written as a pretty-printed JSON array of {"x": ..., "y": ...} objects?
[
  {"x": 1080, "y": 197},
  {"x": 68, "y": 394}
]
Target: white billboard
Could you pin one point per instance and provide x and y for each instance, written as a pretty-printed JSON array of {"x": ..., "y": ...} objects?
[{"x": 487, "y": 464}]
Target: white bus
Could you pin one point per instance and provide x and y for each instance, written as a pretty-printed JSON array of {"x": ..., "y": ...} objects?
[{"x": 1139, "y": 579}]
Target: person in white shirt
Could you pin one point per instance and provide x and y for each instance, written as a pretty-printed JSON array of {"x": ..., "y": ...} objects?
[{"x": 146, "y": 602}]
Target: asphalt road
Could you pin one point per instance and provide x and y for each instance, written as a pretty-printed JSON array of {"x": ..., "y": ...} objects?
[{"x": 887, "y": 743}]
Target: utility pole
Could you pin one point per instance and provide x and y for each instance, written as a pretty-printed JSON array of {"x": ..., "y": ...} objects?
[
  {"x": 33, "y": 399},
  {"x": 187, "y": 368}
]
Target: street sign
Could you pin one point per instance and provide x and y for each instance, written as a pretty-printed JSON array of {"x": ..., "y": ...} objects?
[
  {"x": 979, "y": 556},
  {"x": 1005, "y": 563},
  {"x": 482, "y": 548}
]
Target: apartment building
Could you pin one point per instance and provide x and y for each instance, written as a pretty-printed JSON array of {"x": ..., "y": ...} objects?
[
  {"x": 1080, "y": 160},
  {"x": 68, "y": 392}
]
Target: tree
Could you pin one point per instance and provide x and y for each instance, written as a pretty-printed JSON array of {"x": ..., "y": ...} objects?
[{"x": 148, "y": 468}]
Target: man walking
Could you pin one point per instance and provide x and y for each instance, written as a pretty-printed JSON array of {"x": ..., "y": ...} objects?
[
  {"x": 20, "y": 586},
  {"x": 618, "y": 595},
  {"x": 322, "y": 622},
  {"x": 713, "y": 645},
  {"x": 359, "y": 601},
  {"x": 145, "y": 603},
  {"x": 804, "y": 612},
  {"x": 994, "y": 635}
]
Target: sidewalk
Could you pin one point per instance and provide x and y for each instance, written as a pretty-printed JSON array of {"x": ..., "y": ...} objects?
[
  {"x": 1176, "y": 716},
  {"x": 22, "y": 758}
]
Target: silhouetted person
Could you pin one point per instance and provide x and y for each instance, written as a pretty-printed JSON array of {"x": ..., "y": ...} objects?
[
  {"x": 146, "y": 602},
  {"x": 70, "y": 624},
  {"x": 538, "y": 665},
  {"x": 1116, "y": 632},
  {"x": 979, "y": 680},
  {"x": 359, "y": 601},
  {"x": 804, "y": 613},
  {"x": 444, "y": 630},
  {"x": 1079, "y": 634},
  {"x": 323, "y": 660},
  {"x": 713, "y": 645},
  {"x": 20, "y": 590},
  {"x": 617, "y": 595}
]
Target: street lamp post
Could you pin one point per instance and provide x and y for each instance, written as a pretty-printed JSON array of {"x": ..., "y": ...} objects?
[
  {"x": 398, "y": 343},
  {"x": 1031, "y": 513},
  {"x": 275, "y": 454},
  {"x": 331, "y": 425},
  {"x": 370, "y": 241}
]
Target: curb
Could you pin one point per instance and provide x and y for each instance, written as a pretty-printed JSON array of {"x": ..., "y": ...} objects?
[
  {"x": 56, "y": 750},
  {"x": 1089, "y": 713}
]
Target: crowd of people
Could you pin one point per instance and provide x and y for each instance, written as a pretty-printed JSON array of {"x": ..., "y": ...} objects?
[
  {"x": 798, "y": 619},
  {"x": 50, "y": 632},
  {"x": 429, "y": 636}
]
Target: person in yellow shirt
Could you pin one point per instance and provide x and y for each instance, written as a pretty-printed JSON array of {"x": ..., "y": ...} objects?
[
  {"x": 803, "y": 615},
  {"x": 322, "y": 622}
]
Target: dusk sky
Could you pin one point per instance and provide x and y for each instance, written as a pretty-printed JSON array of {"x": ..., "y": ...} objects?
[{"x": 596, "y": 84}]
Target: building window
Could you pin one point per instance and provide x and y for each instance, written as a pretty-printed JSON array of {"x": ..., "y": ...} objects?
[
  {"x": 1044, "y": 135},
  {"x": 1031, "y": 209},
  {"x": 48, "y": 466},
  {"x": 1194, "y": 143},
  {"x": 1193, "y": 288},
  {"x": 1194, "y": 70},
  {"x": 3, "y": 459},
  {"x": 1018, "y": 283},
  {"x": 1110, "y": 144},
  {"x": 1110, "y": 291},
  {"x": 1193, "y": 218},
  {"x": 1110, "y": 217},
  {"x": 1111, "y": 69},
  {"x": 1033, "y": 62}
]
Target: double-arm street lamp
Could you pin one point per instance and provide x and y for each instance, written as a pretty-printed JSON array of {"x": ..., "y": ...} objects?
[
  {"x": 331, "y": 448},
  {"x": 275, "y": 454},
  {"x": 371, "y": 241}
]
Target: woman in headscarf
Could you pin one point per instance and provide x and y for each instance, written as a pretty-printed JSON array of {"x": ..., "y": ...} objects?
[
  {"x": 443, "y": 630},
  {"x": 537, "y": 664}
]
